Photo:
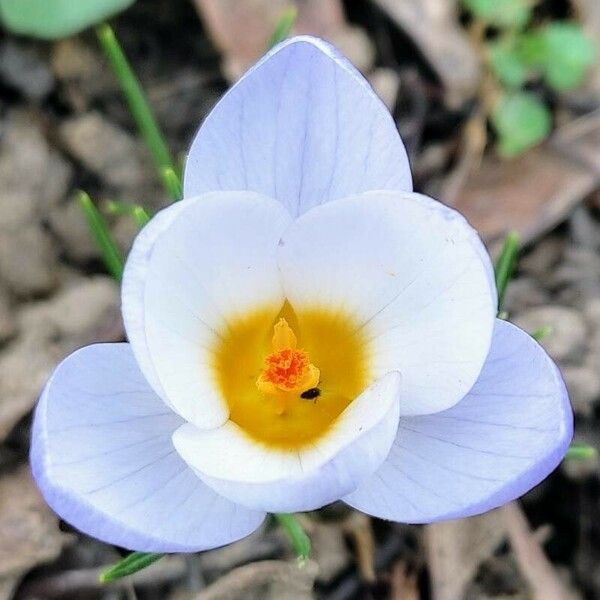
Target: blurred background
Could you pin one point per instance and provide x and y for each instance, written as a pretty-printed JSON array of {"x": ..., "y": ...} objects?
[{"x": 498, "y": 103}]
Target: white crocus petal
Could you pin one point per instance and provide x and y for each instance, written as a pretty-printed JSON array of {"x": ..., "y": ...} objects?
[
  {"x": 470, "y": 232},
  {"x": 132, "y": 290},
  {"x": 509, "y": 432},
  {"x": 216, "y": 262},
  {"x": 412, "y": 278},
  {"x": 263, "y": 478},
  {"x": 103, "y": 457},
  {"x": 302, "y": 126}
]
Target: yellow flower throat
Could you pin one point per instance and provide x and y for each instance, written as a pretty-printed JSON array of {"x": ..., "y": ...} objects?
[{"x": 286, "y": 390}]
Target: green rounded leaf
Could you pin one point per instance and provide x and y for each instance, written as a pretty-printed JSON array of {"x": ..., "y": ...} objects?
[
  {"x": 521, "y": 121},
  {"x": 52, "y": 19},
  {"x": 500, "y": 13},
  {"x": 507, "y": 65},
  {"x": 568, "y": 54}
]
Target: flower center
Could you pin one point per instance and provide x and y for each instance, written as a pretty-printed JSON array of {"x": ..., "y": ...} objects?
[
  {"x": 286, "y": 391},
  {"x": 287, "y": 371}
]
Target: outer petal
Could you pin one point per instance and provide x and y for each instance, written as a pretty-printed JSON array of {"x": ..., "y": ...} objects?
[
  {"x": 103, "y": 458},
  {"x": 216, "y": 261},
  {"x": 302, "y": 126},
  {"x": 134, "y": 283},
  {"x": 506, "y": 436},
  {"x": 280, "y": 481},
  {"x": 412, "y": 277}
]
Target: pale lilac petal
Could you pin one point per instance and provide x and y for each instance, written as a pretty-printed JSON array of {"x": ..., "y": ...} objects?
[
  {"x": 305, "y": 479},
  {"x": 103, "y": 458},
  {"x": 302, "y": 126},
  {"x": 502, "y": 439},
  {"x": 411, "y": 276}
]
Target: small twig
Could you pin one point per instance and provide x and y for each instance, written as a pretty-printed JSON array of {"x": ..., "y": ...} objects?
[
  {"x": 535, "y": 567},
  {"x": 358, "y": 527}
]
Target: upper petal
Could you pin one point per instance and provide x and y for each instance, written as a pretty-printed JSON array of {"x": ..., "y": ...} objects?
[
  {"x": 103, "y": 458},
  {"x": 215, "y": 262},
  {"x": 503, "y": 438},
  {"x": 289, "y": 481},
  {"x": 302, "y": 126},
  {"x": 412, "y": 275}
]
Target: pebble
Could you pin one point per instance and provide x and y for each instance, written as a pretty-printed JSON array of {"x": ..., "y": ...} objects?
[
  {"x": 583, "y": 384},
  {"x": 542, "y": 258},
  {"x": 68, "y": 224},
  {"x": 49, "y": 330},
  {"x": 524, "y": 292},
  {"x": 33, "y": 177},
  {"x": 8, "y": 326},
  {"x": 28, "y": 261},
  {"x": 567, "y": 341},
  {"x": 386, "y": 83},
  {"x": 25, "y": 69},
  {"x": 106, "y": 150}
]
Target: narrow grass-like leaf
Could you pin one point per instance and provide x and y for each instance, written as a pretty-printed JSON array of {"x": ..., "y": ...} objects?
[
  {"x": 141, "y": 216},
  {"x": 134, "y": 562},
  {"x": 581, "y": 452},
  {"x": 136, "y": 99},
  {"x": 283, "y": 27},
  {"x": 543, "y": 332},
  {"x": 137, "y": 212},
  {"x": 99, "y": 228},
  {"x": 505, "y": 265},
  {"x": 300, "y": 541},
  {"x": 172, "y": 183}
]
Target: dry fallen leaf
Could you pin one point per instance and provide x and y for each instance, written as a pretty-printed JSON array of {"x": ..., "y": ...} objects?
[
  {"x": 241, "y": 29},
  {"x": 535, "y": 192},
  {"x": 30, "y": 533},
  {"x": 434, "y": 28},
  {"x": 456, "y": 549}
]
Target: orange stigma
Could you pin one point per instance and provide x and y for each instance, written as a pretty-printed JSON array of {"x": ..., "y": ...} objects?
[{"x": 287, "y": 370}]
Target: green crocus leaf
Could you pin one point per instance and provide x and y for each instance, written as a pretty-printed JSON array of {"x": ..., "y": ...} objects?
[
  {"x": 52, "y": 19},
  {"x": 521, "y": 121},
  {"x": 568, "y": 54},
  {"x": 507, "y": 65},
  {"x": 500, "y": 13}
]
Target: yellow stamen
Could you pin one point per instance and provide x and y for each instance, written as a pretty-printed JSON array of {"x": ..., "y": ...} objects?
[{"x": 287, "y": 370}]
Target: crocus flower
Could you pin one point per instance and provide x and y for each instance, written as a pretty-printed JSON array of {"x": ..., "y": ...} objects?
[{"x": 303, "y": 328}]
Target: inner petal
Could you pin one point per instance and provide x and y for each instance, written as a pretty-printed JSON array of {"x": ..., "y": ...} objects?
[{"x": 286, "y": 381}]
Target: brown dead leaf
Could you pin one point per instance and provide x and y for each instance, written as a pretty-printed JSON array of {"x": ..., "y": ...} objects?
[
  {"x": 532, "y": 194},
  {"x": 241, "y": 29},
  {"x": 456, "y": 549},
  {"x": 436, "y": 31},
  {"x": 265, "y": 580},
  {"x": 30, "y": 533}
]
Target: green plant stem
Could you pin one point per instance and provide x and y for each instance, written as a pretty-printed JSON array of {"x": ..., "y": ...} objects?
[
  {"x": 132, "y": 563},
  {"x": 172, "y": 183},
  {"x": 543, "y": 332},
  {"x": 111, "y": 254},
  {"x": 300, "y": 541},
  {"x": 580, "y": 452},
  {"x": 136, "y": 99},
  {"x": 505, "y": 265},
  {"x": 283, "y": 27}
]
